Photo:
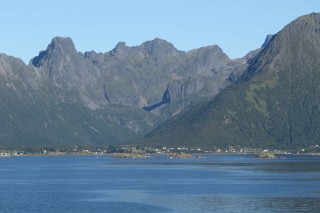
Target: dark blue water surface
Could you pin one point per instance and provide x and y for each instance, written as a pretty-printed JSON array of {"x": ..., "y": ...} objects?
[{"x": 216, "y": 183}]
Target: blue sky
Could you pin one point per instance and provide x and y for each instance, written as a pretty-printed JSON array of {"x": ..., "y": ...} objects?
[{"x": 237, "y": 26}]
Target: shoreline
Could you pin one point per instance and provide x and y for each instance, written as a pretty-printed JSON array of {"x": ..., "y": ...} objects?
[{"x": 167, "y": 155}]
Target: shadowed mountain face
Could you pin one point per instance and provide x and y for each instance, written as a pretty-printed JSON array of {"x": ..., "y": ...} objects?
[
  {"x": 275, "y": 102},
  {"x": 65, "y": 97}
]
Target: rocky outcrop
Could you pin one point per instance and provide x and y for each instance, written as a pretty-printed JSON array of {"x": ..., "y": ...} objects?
[
  {"x": 266, "y": 156},
  {"x": 180, "y": 155},
  {"x": 267, "y": 40},
  {"x": 129, "y": 155}
]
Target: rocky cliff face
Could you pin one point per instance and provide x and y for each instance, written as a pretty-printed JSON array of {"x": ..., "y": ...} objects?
[{"x": 140, "y": 76}]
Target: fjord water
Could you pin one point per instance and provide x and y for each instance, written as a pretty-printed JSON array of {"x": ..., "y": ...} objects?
[{"x": 216, "y": 183}]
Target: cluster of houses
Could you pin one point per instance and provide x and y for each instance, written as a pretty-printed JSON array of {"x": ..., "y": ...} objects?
[{"x": 4, "y": 153}]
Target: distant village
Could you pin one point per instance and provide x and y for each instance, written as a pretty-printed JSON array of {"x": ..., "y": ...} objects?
[{"x": 78, "y": 150}]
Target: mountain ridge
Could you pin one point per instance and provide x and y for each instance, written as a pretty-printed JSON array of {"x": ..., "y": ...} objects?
[
  {"x": 63, "y": 96},
  {"x": 274, "y": 104}
]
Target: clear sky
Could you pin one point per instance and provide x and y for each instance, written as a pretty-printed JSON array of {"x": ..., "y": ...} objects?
[{"x": 237, "y": 26}]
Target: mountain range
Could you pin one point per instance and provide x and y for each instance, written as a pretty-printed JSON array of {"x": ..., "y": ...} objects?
[{"x": 160, "y": 96}]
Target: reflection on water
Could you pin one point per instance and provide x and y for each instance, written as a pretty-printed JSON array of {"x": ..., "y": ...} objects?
[
  {"x": 206, "y": 203},
  {"x": 212, "y": 184}
]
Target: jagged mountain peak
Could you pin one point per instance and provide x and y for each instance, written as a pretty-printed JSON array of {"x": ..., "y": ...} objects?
[
  {"x": 119, "y": 49},
  {"x": 62, "y": 45},
  {"x": 62, "y": 64},
  {"x": 209, "y": 49},
  {"x": 158, "y": 47},
  {"x": 121, "y": 45},
  {"x": 158, "y": 41},
  {"x": 64, "y": 41},
  {"x": 59, "y": 47}
]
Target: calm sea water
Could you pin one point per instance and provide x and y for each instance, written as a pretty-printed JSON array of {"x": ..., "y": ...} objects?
[{"x": 217, "y": 183}]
